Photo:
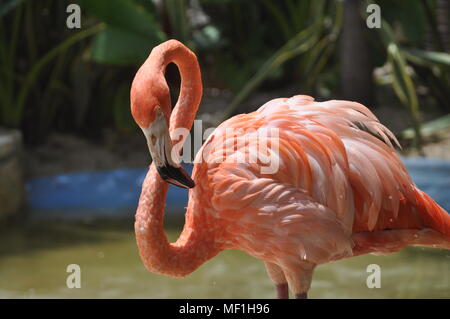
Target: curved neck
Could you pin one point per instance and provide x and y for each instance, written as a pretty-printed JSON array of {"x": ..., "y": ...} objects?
[
  {"x": 195, "y": 244},
  {"x": 191, "y": 88}
]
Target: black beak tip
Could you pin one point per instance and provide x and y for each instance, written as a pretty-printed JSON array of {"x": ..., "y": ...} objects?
[
  {"x": 190, "y": 184},
  {"x": 176, "y": 176}
]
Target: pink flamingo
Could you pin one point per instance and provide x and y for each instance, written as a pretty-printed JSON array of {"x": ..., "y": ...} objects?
[{"x": 340, "y": 189}]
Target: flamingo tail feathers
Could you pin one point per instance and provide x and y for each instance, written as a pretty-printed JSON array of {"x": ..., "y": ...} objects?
[{"x": 433, "y": 215}]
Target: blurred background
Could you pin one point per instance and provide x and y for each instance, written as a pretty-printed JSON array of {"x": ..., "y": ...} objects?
[{"x": 72, "y": 159}]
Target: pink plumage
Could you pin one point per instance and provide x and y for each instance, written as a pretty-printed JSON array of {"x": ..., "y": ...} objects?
[{"x": 339, "y": 189}]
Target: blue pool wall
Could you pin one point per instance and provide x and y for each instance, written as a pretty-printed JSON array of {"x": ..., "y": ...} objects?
[{"x": 116, "y": 192}]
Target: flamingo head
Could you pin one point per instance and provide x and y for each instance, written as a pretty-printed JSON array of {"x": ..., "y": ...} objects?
[{"x": 151, "y": 109}]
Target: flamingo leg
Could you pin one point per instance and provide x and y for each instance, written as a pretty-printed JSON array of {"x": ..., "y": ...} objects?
[
  {"x": 276, "y": 274},
  {"x": 282, "y": 291},
  {"x": 303, "y": 295},
  {"x": 299, "y": 278}
]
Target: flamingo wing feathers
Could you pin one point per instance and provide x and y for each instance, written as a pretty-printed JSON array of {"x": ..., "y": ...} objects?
[
  {"x": 381, "y": 186},
  {"x": 284, "y": 218},
  {"x": 335, "y": 151}
]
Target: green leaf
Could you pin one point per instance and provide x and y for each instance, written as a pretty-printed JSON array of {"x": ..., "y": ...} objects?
[
  {"x": 429, "y": 128},
  {"x": 117, "y": 46},
  {"x": 427, "y": 57},
  {"x": 16, "y": 116},
  {"x": 404, "y": 88},
  {"x": 408, "y": 17},
  {"x": 402, "y": 80},
  {"x": 402, "y": 83},
  {"x": 297, "y": 45},
  {"x": 126, "y": 15}
]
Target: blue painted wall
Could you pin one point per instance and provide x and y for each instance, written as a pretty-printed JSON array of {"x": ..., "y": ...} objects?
[{"x": 113, "y": 193}]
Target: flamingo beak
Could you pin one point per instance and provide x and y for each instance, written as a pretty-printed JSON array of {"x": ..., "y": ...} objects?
[{"x": 160, "y": 147}]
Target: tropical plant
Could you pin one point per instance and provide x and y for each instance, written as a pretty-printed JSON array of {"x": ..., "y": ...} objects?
[
  {"x": 26, "y": 99},
  {"x": 131, "y": 31},
  {"x": 403, "y": 35},
  {"x": 62, "y": 79},
  {"x": 304, "y": 31}
]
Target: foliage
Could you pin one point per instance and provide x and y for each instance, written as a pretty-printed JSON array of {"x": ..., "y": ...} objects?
[
  {"x": 53, "y": 78},
  {"x": 130, "y": 34},
  {"x": 304, "y": 33},
  {"x": 402, "y": 83},
  {"x": 313, "y": 40},
  {"x": 403, "y": 34},
  {"x": 24, "y": 64}
]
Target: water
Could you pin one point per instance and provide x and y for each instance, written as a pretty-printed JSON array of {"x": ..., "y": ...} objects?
[{"x": 34, "y": 257}]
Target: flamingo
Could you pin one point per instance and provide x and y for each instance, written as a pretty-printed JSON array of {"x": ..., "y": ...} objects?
[{"x": 340, "y": 189}]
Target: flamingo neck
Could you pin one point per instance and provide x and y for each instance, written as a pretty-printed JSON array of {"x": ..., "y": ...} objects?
[
  {"x": 194, "y": 246},
  {"x": 196, "y": 243},
  {"x": 191, "y": 88}
]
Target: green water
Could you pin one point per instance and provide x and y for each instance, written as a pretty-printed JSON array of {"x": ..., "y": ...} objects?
[{"x": 34, "y": 257}]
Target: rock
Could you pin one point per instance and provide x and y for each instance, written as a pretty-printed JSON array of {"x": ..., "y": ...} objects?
[{"x": 12, "y": 187}]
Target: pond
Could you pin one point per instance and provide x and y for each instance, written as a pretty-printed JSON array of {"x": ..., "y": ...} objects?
[{"x": 34, "y": 257}]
